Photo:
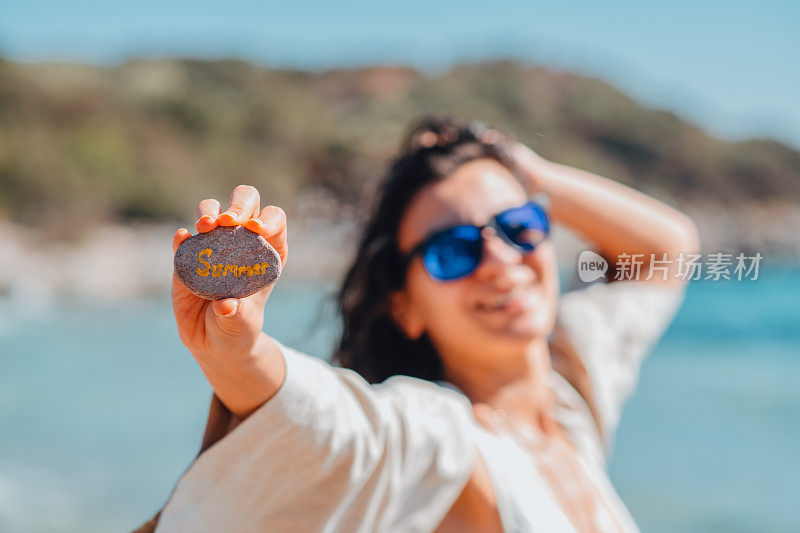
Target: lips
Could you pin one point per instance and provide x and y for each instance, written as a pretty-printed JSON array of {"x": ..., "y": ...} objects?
[{"x": 505, "y": 300}]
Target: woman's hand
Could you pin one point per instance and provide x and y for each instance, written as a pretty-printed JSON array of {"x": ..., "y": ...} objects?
[
  {"x": 225, "y": 336},
  {"x": 531, "y": 165},
  {"x": 618, "y": 220}
]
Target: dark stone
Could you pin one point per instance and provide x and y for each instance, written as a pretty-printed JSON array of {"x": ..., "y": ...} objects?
[{"x": 226, "y": 262}]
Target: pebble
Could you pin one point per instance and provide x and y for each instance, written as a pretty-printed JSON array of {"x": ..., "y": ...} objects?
[{"x": 226, "y": 262}]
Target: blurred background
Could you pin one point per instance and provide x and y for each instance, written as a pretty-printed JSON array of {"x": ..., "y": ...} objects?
[{"x": 116, "y": 118}]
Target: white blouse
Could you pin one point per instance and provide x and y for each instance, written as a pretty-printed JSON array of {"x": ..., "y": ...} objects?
[{"x": 330, "y": 452}]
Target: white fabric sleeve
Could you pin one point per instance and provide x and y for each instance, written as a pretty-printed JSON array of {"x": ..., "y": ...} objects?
[
  {"x": 329, "y": 452},
  {"x": 612, "y": 327}
]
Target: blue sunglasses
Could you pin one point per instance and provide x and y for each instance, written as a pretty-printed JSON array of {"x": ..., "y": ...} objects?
[{"x": 456, "y": 252}]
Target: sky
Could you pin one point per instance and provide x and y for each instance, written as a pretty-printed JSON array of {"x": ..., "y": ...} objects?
[{"x": 733, "y": 67}]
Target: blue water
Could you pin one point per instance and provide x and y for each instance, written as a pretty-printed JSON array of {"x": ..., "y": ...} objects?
[{"x": 101, "y": 410}]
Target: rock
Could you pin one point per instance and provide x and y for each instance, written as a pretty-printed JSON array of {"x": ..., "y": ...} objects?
[{"x": 226, "y": 262}]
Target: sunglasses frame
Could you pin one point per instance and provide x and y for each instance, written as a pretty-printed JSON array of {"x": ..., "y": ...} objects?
[{"x": 539, "y": 201}]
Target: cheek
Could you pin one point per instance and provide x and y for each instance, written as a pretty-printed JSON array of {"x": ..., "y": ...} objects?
[
  {"x": 446, "y": 311},
  {"x": 543, "y": 263},
  {"x": 440, "y": 306},
  {"x": 433, "y": 300}
]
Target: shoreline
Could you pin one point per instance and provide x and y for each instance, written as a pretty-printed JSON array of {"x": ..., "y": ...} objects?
[{"x": 117, "y": 263}]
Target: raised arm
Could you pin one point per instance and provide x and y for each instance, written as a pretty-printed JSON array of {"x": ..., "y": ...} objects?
[
  {"x": 242, "y": 363},
  {"x": 604, "y": 331},
  {"x": 319, "y": 448},
  {"x": 615, "y": 218}
]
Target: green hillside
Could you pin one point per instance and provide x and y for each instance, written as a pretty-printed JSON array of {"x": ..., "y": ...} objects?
[{"x": 148, "y": 138}]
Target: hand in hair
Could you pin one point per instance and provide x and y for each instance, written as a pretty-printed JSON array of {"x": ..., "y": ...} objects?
[
  {"x": 615, "y": 219},
  {"x": 530, "y": 163}
]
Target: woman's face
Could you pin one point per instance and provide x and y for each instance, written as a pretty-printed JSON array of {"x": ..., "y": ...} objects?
[{"x": 507, "y": 302}]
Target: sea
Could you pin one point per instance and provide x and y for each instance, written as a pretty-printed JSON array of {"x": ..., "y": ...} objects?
[{"x": 102, "y": 409}]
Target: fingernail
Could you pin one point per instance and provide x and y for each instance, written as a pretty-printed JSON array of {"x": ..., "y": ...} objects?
[
  {"x": 233, "y": 312},
  {"x": 227, "y": 217}
]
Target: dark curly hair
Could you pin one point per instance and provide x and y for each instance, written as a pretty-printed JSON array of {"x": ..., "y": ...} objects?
[{"x": 372, "y": 343}]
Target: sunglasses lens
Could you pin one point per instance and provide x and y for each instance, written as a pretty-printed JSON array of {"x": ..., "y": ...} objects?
[
  {"x": 453, "y": 253},
  {"x": 526, "y": 226}
]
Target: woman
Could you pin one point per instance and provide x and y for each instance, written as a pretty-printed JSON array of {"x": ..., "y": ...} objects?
[{"x": 471, "y": 399}]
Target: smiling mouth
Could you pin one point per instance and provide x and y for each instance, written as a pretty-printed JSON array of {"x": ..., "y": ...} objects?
[{"x": 505, "y": 301}]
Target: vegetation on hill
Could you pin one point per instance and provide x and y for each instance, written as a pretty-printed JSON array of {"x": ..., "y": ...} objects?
[{"x": 148, "y": 138}]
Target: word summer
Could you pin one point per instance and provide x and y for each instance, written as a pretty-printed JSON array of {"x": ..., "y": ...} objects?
[{"x": 220, "y": 270}]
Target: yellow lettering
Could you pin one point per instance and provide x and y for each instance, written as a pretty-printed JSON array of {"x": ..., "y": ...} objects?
[
  {"x": 204, "y": 271},
  {"x": 220, "y": 270}
]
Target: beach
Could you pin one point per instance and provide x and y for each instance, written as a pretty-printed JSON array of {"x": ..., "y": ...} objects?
[
  {"x": 105, "y": 418},
  {"x": 119, "y": 262}
]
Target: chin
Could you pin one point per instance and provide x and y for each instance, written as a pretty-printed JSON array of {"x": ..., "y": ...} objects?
[
  {"x": 526, "y": 333},
  {"x": 523, "y": 329}
]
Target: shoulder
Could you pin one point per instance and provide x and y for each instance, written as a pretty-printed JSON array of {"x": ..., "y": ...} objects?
[
  {"x": 621, "y": 320},
  {"x": 617, "y": 297},
  {"x": 603, "y": 332},
  {"x": 420, "y": 394}
]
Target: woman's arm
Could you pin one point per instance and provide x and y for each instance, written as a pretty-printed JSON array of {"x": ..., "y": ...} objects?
[
  {"x": 320, "y": 448},
  {"x": 603, "y": 332},
  {"x": 242, "y": 363},
  {"x": 613, "y": 217},
  {"x": 329, "y": 451}
]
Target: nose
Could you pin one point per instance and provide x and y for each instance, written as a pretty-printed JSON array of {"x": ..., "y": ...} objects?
[{"x": 497, "y": 255}]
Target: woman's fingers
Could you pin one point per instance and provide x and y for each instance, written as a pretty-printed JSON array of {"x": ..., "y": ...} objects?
[
  {"x": 271, "y": 221},
  {"x": 490, "y": 136},
  {"x": 271, "y": 224},
  {"x": 226, "y": 308},
  {"x": 244, "y": 203},
  {"x": 207, "y": 213},
  {"x": 531, "y": 164},
  {"x": 180, "y": 236}
]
